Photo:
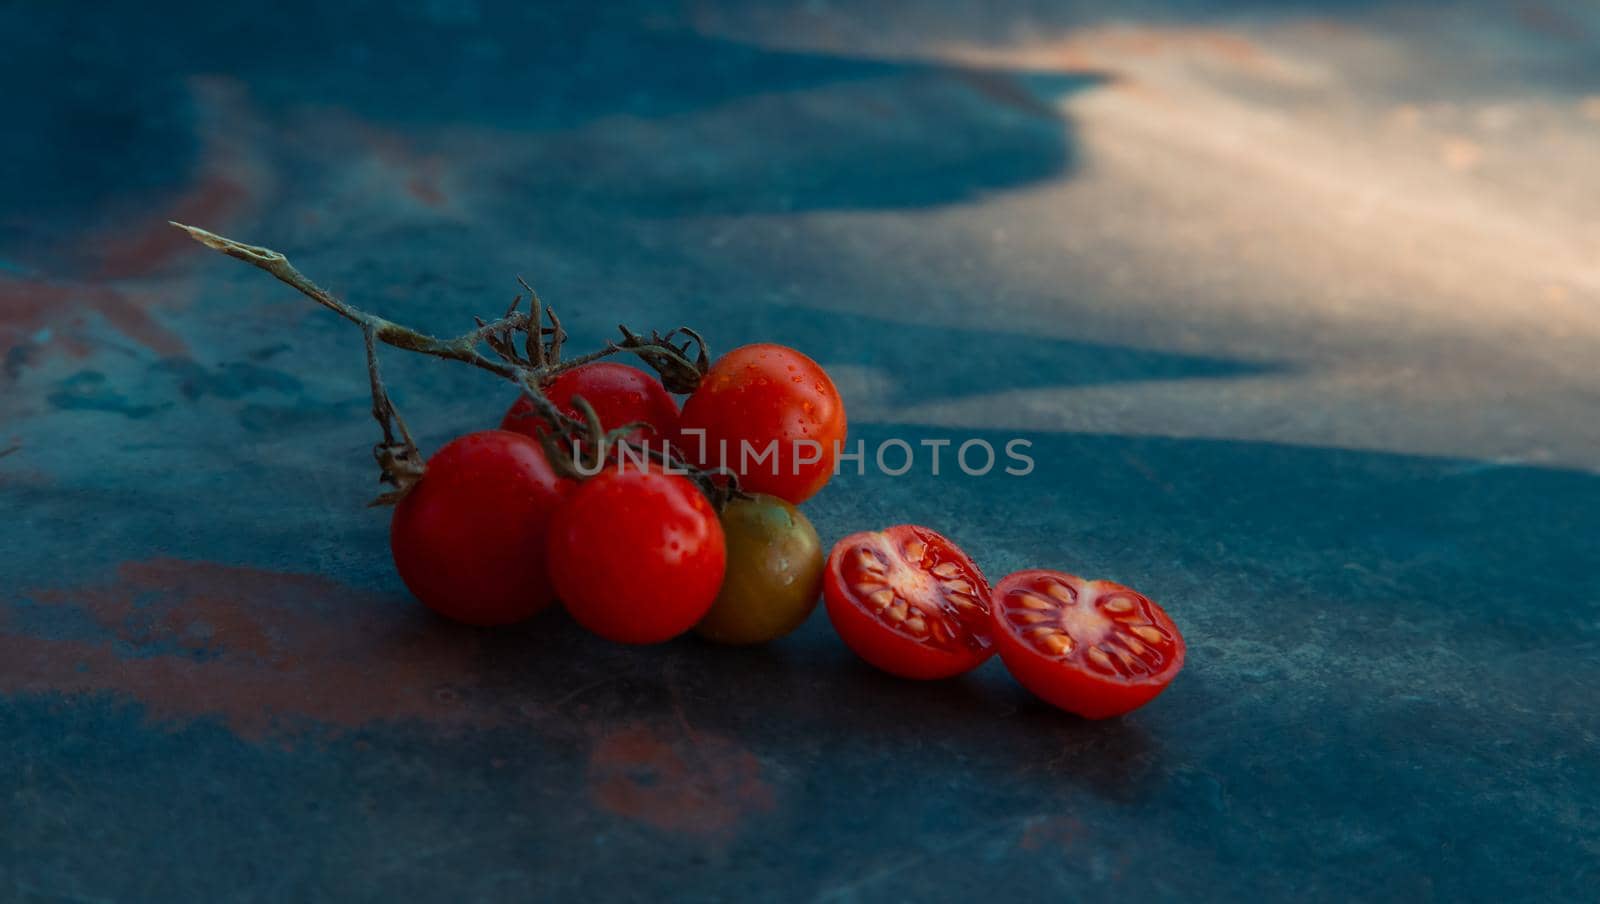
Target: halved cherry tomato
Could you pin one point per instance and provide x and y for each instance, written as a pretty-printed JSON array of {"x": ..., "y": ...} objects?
[
  {"x": 618, "y": 393},
  {"x": 909, "y": 601},
  {"x": 636, "y": 556},
  {"x": 1094, "y": 648}
]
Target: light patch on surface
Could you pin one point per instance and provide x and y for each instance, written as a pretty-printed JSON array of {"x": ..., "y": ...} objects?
[{"x": 1424, "y": 268}]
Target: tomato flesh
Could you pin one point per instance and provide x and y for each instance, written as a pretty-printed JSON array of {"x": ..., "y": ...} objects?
[
  {"x": 909, "y": 601},
  {"x": 636, "y": 557},
  {"x": 466, "y": 539},
  {"x": 618, "y": 393},
  {"x": 1094, "y": 648}
]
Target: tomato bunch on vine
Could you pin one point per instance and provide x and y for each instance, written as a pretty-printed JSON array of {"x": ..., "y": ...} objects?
[{"x": 648, "y": 519}]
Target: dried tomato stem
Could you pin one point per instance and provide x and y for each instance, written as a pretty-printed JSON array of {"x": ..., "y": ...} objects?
[
  {"x": 399, "y": 459},
  {"x": 400, "y": 463},
  {"x": 462, "y": 348}
]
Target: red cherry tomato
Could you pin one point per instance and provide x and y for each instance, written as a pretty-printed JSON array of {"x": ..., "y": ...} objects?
[
  {"x": 753, "y": 396},
  {"x": 619, "y": 394},
  {"x": 637, "y": 556},
  {"x": 1093, "y": 648},
  {"x": 909, "y": 601},
  {"x": 466, "y": 539}
]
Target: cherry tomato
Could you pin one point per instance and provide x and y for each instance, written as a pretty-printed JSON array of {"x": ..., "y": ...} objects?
[
  {"x": 909, "y": 601},
  {"x": 774, "y": 575},
  {"x": 618, "y": 393},
  {"x": 466, "y": 538},
  {"x": 761, "y": 395},
  {"x": 637, "y": 556},
  {"x": 1093, "y": 648}
]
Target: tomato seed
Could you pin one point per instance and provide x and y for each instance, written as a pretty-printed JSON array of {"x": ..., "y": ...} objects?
[
  {"x": 1062, "y": 592},
  {"x": 1098, "y": 658},
  {"x": 1149, "y": 633}
]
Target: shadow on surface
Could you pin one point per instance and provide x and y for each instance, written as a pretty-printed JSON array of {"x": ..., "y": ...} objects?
[
  {"x": 120, "y": 132},
  {"x": 949, "y": 362},
  {"x": 1369, "y": 635}
]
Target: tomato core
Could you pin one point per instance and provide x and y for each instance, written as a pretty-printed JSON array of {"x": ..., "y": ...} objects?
[
  {"x": 913, "y": 591},
  {"x": 1107, "y": 627}
]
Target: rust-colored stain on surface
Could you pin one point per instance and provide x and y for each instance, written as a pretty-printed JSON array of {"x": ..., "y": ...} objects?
[
  {"x": 265, "y": 652},
  {"x": 32, "y": 310},
  {"x": 40, "y": 311},
  {"x": 152, "y": 244},
  {"x": 678, "y": 780},
  {"x": 225, "y": 181},
  {"x": 277, "y": 656}
]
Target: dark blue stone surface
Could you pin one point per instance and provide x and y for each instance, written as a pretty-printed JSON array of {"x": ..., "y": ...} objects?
[{"x": 1290, "y": 300}]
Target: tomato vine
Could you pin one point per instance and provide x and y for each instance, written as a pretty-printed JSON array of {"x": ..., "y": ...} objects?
[{"x": 525, "y": 348}]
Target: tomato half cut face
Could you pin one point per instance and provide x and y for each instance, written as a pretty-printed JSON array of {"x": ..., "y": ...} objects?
[
  {"x": 909, "y": 601},
  {"x": 1094, "y": 648}
]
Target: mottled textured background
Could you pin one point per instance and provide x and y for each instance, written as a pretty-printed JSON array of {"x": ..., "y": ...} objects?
[{"x": 1299, "y": 304}]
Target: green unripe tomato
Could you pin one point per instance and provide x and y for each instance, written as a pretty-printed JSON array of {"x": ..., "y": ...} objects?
[{"x": 774, "y": 573}]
